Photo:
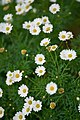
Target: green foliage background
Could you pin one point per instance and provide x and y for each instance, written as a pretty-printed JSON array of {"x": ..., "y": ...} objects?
[{"x": 67, "y": 19}]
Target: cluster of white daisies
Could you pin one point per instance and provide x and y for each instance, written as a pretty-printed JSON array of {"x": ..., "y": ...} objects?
[
  {"x": 6, "y": 27},
  {"x": 34, "y": 26},
  {"x": 29, "y": 105},
  {"x": 23, "y": 6},
  {"x": 13, "y": 77}
]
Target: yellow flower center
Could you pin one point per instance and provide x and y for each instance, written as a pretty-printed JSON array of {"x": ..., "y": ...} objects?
[
  {"x": 46, "y": 43},
  {"x": 41, "y": 71},
  {"x": 37, "y": 106},
  {"x": 48, "y": 28},
  {"x": 19, "y": 9},
  {"x": 20, "y": 116},
  {"x": 53, "y": 47},
  {"x": 28, "y": 26},
  {"x": 63, "y": 36},
  {"x": 30, "y": 102},
  {"x": 54, "y": 9},
  {"x": 17, "y": 75},
  {"x": 27, "y": 6},
  {"x": 34, "y": 30},
  {"x": 10, "y": 74},
  {"x": 51, "y": 88},
  {"x": 44, "y": 20},
  {"x": 0, "y": 111},
  {"x": 10, "y": 80},
  {"x": 70, "y": 55},
  {"x": 7, "y": 28},
  {"x": 28, "y": 109},
  {"x": 40, "y": 59},
  {"x": 24, "y": 90},
  {"x": 38, "y": 23}
]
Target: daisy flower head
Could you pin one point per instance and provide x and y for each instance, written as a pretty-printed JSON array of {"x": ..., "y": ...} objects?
[
  {"x": 1, "y": 112},
  {"x": 70, "y": 35},
  {"x": 2, "y": 27},
  {"x": 9, "y": 81},
  {"x": 45, "y": 20},
  {"x": 19, "y": 116},
  {"x": 79, "y": 107},
  {"x": 45, "y": 42},
  {"x": 30, "y": 1},
  {"x": 19, "y": 9},
  {"x": 9, "y": 74},
  {"x": 68, "y": 55},
  {"x": 37, "y": 21},
  {"x": 71, "y": 55},
  {"x": 27, "y": 7},
  {"x": 7, "y": 28},
  {"x": 37, "y": 105},
  {"x": 1, "y": 92},
  {"x": 52, "y": 105},
  {"x": 53, "y": 47},
  {"x": 40, "y": 71},
  {"x": 29, "y": 100},
  {"x": 8, "y": 17},
  {"x": 63, "y": 36},
  {"x": 27, "y": 25},
  {"x": 48, "y": 28},
  {"x": 17, "y": 75},
  {"x": 23, "y": 90},
  {"x": 27, "y": 109},
  {"x": 54, "y": 8},
  {"x": 51, "y": 88},
  {"x": 35, "y": 30},
  {"x": 40, "y": 59}
]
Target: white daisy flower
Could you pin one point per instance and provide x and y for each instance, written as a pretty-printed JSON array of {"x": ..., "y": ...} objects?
[
  {"x": 17, "y": 75},
  {"x": 9, "y": 81},
  {"x": 7, "y": 28},
  {"x": 1, "y": 92},
  {"x": 54, "y": 8},
  {"x": 53, "y": 47},
  {"x": 63, "y": 55},
  {"x": 27, "y": 7},
  {"x": 63, "y": 36},
  {"x": 45, "y": 42},
  {"x": 70, "y": 35},
  {"x": 37, "y": 21},
  {"x": 8, "y": 17},
  {"x": 71, "y": 55},
  {"x": 40, "y": 59},
  {"x": 23, "y": 90},
  {"x": 37, "y": 105},
  {"x": 35, "y": 30},
  {"x": 52, "y": 0},
  {"x": 40, "y": 71},
  {"x": 79, "y": 107},
  {"x": 27, "y": 109},
  {"x": 19, "y": 9},
  {"x": 45, "y": 20},
  {"x": 1, "y": 112},
  {"x": 51, "y": 88},
  {"x": 29, "y": 100},
  {"x": 19, "y": 116},
  {"x": 27, "y": 25},
  {"x": 9, "y": 74},
  {"x": 48, "y": 28}
]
